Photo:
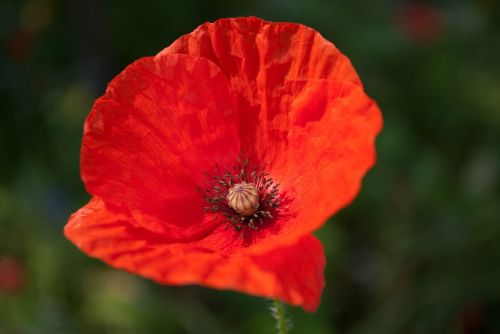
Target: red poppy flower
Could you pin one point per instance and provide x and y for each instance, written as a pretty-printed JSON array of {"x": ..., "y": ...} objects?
[
  {"x": 421, "y": 22},
  {"x": 12, "y": 275},
  {"x": 212, "y": 162}
]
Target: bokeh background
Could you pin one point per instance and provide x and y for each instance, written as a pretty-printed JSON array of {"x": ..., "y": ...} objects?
[{"x": 417, "y": 252}]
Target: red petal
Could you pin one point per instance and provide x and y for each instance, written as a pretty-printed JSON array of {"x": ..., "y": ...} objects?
[
  {"x": 161, "y": 123},
  {"x": 329, "y": 134},
  {"x": 258, "y": 58},
  {"x": 293, "y": 274},
  {"x": 301, "y": 106}
]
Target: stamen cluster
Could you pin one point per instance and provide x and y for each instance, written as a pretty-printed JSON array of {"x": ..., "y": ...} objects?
[{"x": 216, "y": 195}]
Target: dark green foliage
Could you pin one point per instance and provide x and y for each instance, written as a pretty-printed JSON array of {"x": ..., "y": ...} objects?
[{"x": 418, "y": 251}]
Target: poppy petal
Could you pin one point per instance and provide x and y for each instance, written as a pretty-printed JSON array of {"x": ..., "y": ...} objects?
[
  {"x": 328, "y": 146},
  {"x": 258, "y": 58},
  {"x": 293, "y": 273},
  {"x": 301, "y": 106},
  {"x": 162, "y": 122}
]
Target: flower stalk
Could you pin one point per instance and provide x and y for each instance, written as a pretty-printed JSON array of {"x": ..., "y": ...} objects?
[{"x": 283, "y": 324}]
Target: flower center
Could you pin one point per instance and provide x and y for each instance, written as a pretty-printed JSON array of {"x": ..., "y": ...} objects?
[
  {"x": 243, "y": 198},
  {"x": 245, "y": 195}
]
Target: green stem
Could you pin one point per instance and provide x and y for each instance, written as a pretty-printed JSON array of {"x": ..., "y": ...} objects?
[{"x": 280, "y": 316}]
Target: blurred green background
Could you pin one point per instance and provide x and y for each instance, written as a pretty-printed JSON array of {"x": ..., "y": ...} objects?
[{"x": 417, "y": 252}]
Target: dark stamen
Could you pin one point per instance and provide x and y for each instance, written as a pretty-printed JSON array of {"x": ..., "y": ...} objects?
[{"x": 219, "y": 186}]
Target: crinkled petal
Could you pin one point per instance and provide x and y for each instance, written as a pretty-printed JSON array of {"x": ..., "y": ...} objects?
[
  {"x": 301, "y": 106},
  {"x": 293, "y": 273},
  {"x": 258, "y": 58},
  {"x": 327, "y": 147},
  {"x": 162, "y": 122}
]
